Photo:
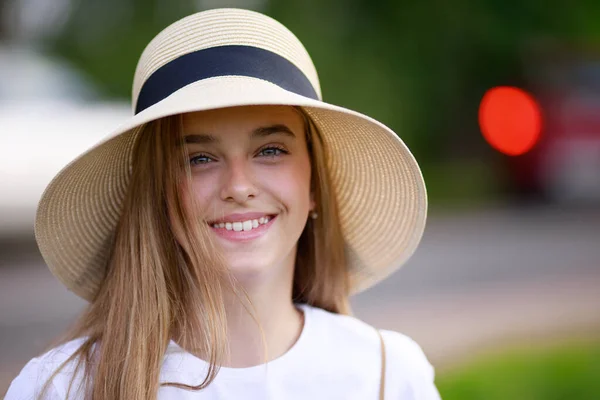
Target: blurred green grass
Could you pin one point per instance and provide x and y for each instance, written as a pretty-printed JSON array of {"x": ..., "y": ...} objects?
[{"x": 566, "y": 371}]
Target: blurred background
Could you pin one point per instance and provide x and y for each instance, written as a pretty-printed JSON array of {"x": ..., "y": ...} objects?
[{"x": 499, "y": 101}]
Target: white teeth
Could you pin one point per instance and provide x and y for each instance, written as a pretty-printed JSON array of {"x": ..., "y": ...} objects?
[
  {"x": 242, "y": 225},
  {"x": 247, "y": 225}
]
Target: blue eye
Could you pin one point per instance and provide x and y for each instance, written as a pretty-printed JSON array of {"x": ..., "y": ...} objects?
[
  {"x": 200, "y": 160},
  {"x": 272, "y": 151}
]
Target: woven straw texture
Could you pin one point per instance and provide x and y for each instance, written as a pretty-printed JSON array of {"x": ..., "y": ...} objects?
[{"x": 378, "y": 184}]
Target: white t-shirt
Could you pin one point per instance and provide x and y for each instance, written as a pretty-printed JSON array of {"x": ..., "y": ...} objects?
[{"x": 335, "y": 357}]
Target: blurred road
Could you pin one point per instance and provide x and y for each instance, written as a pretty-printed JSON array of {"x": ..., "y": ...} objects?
[
  {"x": 494, "y": 278},
  {"x": 478, "y": 280}
]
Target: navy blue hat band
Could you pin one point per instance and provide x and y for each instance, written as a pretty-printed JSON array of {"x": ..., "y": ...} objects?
[{"x": 222, "y": 61}]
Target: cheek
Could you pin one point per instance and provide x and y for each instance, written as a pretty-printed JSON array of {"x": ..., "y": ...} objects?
[
  {"x": 199, "y": 192},
  {"x": 292, "y": 184}
]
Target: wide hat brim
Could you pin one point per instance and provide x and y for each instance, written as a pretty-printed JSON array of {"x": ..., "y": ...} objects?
[{"x": 377, "y": 182}]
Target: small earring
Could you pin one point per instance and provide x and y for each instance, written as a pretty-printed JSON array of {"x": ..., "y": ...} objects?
[{"x": 314, "y": 215}]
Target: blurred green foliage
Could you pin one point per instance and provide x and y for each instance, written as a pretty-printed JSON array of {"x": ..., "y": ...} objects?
[
  {"x": 569, "y": 371},
  {"x": 420, "y": 67}
]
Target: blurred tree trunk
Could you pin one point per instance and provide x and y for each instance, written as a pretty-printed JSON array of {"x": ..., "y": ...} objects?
[{"x": 3, "y": 20}]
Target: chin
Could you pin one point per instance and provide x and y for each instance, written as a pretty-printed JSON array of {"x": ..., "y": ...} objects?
[{"x": 249, "y": 270}]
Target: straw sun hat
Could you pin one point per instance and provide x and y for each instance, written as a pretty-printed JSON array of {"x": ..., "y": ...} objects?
[{"x": 223, "y": 58}]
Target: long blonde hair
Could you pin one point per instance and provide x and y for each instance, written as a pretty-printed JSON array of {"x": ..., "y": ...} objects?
[{"x": 159, "y": 288}]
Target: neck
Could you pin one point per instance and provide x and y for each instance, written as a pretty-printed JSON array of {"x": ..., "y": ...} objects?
[{"x": 280, "y": 321}]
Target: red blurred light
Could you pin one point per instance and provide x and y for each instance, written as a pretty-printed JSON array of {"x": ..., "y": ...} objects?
[{"x": 510, "y": 120}]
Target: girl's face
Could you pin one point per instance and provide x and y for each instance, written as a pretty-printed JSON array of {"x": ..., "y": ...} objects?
[{"x": 251, "y": 181}]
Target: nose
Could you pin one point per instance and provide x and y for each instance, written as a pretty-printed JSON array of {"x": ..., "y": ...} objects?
[{"x": 238, "y": 182}]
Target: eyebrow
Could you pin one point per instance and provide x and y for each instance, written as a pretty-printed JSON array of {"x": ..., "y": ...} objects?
[{"x": 260, "y": 132}]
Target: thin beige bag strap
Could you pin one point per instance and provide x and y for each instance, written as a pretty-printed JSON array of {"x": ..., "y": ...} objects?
[{"x": 382, "y": 382}]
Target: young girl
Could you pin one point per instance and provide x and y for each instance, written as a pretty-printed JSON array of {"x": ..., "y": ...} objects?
[{"x": 220, "y": 232}]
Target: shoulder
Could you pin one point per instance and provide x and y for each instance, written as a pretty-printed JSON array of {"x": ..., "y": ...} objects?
[
  {"x": 35, "y": 374},
  {"x": 405, "y": 359},
  {"x": 409, "y": 374},
  {"x": 401, "y": 351},
  {"x": 405, "y": 355},
  {"x": 349, "y": 328}
]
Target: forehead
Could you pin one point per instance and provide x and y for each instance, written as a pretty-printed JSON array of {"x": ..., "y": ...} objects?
[{"x": 242, "y": 119}]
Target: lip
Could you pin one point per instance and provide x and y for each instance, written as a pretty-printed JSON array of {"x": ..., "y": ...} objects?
[{"x": 244, "y": 236}]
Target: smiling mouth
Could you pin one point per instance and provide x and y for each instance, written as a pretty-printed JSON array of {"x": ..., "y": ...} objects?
[{"x": 239, "y": 226}]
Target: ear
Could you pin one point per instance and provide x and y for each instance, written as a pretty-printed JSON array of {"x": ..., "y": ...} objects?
[{"x": 313, "y": 204}]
